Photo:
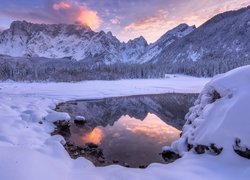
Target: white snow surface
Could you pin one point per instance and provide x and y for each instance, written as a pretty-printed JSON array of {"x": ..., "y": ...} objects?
[
  {"x": 224, "y": 120},
  {"x": 28, "y": 152}
]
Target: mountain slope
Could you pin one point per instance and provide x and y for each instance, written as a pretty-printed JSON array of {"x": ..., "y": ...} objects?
[
  {"x": 153, "y": 50},
  {"x": 223, "y": 38}
]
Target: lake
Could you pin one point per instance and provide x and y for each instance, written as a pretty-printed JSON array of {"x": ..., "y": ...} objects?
[{"x": 129, "y": 131}]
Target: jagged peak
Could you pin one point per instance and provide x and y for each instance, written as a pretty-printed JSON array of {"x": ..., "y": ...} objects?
[
  {"x": 109, "y": 33},
  {"x": 140, "y": 40},
  {"x": 68, "y": 28}
]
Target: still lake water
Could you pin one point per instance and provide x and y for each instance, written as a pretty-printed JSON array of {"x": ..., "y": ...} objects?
[
  {"x": 130, "y": 141},
  {"x": 129, "y": 130}
]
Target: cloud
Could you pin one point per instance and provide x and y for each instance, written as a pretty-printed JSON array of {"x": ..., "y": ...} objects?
[
  {"x": 151, "y": 27},
  {"x": 193, "y": 12},
  {"x": 61, "y": 5},
  {"x": 126, "y": 19},
  {"x": 89, "y": 18},
  {"x": 70, "y": 11},
  {"x": 115, "y": 21},
  {"x": 56, "y": 11},
  {"x": 149, "y": 22}
]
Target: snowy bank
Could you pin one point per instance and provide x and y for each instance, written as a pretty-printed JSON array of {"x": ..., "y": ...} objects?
[{"x": 219, "y": 122}]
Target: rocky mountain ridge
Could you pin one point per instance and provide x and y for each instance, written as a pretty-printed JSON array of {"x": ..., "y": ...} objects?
[{"x": 79, "y": 42}]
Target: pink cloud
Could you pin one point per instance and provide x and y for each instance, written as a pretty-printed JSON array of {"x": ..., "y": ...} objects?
[
  {"x": 73, "y": 12},
  {"x": 193, "y": 12},
  {"x": 156, "y": 21},
  {"x": 66, "y": 11},
  {"x": 62, "y": 5},
  {"x": 115, "y": 21},
  {"x": 88, "y": 17}
]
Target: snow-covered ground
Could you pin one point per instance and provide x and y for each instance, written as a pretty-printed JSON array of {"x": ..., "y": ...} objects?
[
  {"x": 28, "y": 152},
  {"x": 101, "y": 89}
]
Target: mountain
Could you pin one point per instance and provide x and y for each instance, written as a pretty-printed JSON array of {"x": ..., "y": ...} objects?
[
  {"x": 153, "y": 50},
  {"x": 57, "y": 41},
  {"x": 79, "y": 42},
  {"x": 221, "y": 43},
  {"x": 63, "y": 52}
]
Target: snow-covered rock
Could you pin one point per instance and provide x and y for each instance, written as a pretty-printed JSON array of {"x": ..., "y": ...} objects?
[
  {"x": 56, "y": 116},
  {"x": 219, "y": 120},
  {"x": 80, "y": 118}
]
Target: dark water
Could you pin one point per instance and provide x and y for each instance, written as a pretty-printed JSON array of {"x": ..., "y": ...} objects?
[{"x": 130, "y": 130}]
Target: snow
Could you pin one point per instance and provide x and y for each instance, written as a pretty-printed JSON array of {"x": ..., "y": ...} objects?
[
  {"x": 28, "y": 152},
  {"x": 80, "y": 118},
  {"x": 54, "y": 116},
  {"x": 101, "y": 89},
  {"x": 224, "y": 120}
]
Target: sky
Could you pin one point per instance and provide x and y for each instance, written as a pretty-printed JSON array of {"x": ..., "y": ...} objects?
[{"x": 126, "y": 19}]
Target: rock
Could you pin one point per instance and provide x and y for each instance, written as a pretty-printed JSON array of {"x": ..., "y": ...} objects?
[
  {"x": 93, "y": 152},
  {"x": 115, "y": 161},
  {"x": 91, "y": 145},
  {"x": 62, "y": 128},
  {"x": 80, "y": 118},
  {"x": 200, "y": 149},
  {"x": 80, "y": 121},
  {"x": 73, "y": 148},
  {"x": 101, "y": 160},
  {"x": 69, "y": 144},
  {"x": 126, "y": 165},
  {"x": 169, "y": 156},
  {"x": 63, "y": 142},
  {"x": 143, "y": 166},
  {"x": 241, "y": 150},
  {"x": 40, "y": 122},
  {"x": 214, "y": 149},
  {"x": 215, "y": 96},
  {"x": 189, "y": 146}
]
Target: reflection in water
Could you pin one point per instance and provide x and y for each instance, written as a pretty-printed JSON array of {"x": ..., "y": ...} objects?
[
  {"x": 129, "y": 140},
  {"x": 94, "y": 136},
  {"x": 120, "y": 137}
]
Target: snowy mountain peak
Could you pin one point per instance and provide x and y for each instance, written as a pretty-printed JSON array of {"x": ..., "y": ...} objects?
[
  {"x": 24, "y": 27},
  {"x": 140, "y": 41},
  {"x": 79, "y": 42},
  {"x": 177, "y": 32}
]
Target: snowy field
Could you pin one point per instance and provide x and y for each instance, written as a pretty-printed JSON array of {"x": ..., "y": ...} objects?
[{"x": 28, "y": 152}]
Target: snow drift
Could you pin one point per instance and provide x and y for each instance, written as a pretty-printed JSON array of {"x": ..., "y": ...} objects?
[{"x": 219, "y": 121}]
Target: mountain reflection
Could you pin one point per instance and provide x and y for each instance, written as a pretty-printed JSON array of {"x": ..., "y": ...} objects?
[
  {"x": 130, "y": 140},
  {"x": 150, "y": 127},
  {"x": 130, "y": 130}
]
